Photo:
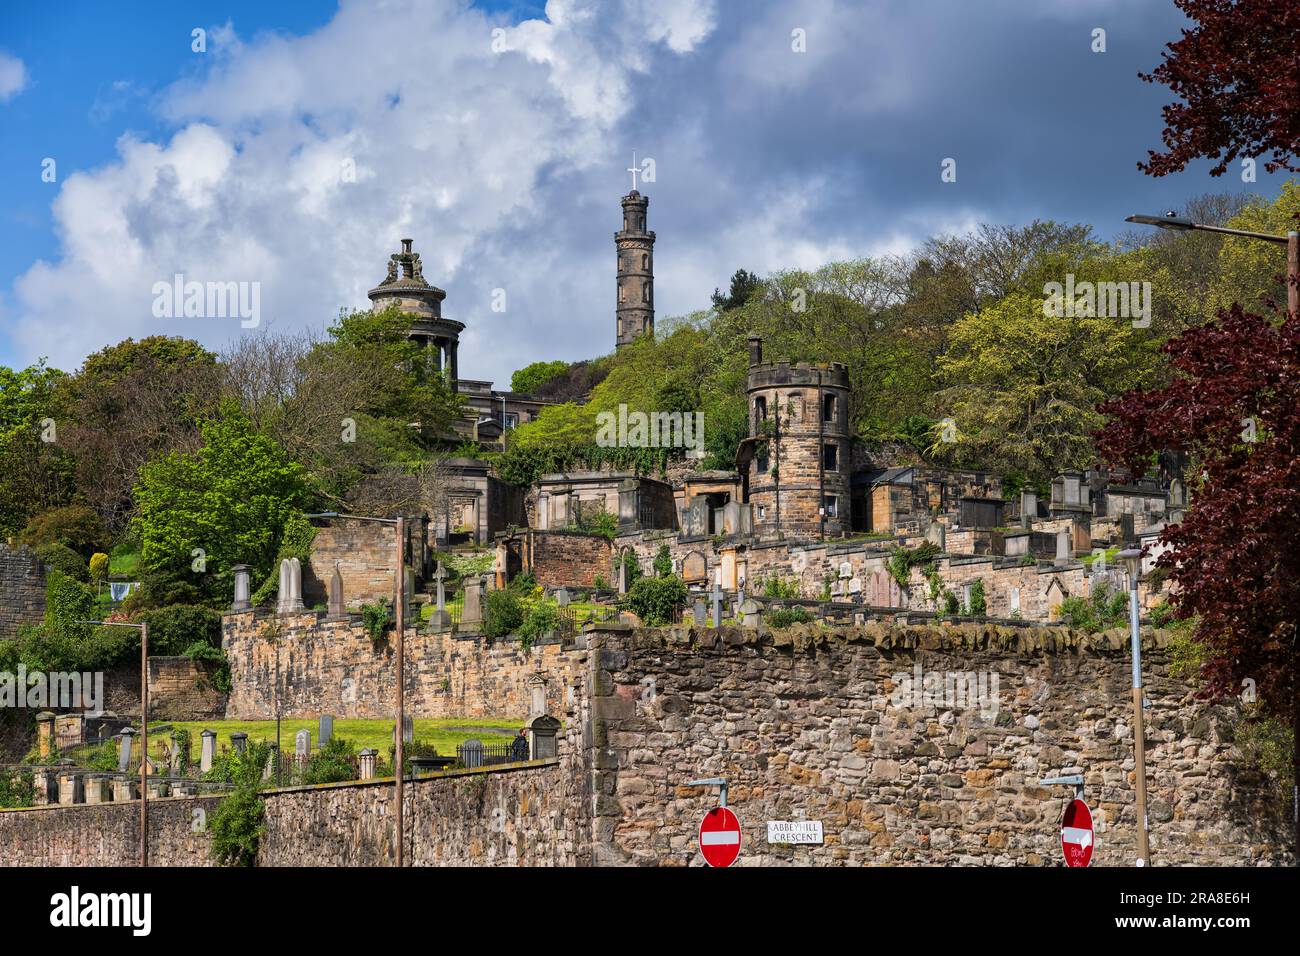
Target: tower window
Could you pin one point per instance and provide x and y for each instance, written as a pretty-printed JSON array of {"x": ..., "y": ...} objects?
[
  {"x": 831, "y": 506},
  {"x": 828, "y": 408},
  {"x": 760, "y": 411},
  {"x": 645, "y": 263},
  {"x": 621, "y": 293},
  {"x": 830, "y": 457},
  {"x": 645, "y": 292}
]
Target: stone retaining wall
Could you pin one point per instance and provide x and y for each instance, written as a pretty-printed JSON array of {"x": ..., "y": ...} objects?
[{"x": 22, "y": 589}]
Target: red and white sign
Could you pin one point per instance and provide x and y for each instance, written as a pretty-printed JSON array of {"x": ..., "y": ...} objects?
[
  {"x": 1076, "y": 834},
  {"x": 720, "y": 837}
]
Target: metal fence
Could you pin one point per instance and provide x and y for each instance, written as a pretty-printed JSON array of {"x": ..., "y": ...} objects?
[{"x": 470, "y": 755}]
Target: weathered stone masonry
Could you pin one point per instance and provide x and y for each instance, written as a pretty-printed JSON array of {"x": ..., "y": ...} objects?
[
  {"x": 802, "y": 726},
  {"x": 22, "y": 589}
]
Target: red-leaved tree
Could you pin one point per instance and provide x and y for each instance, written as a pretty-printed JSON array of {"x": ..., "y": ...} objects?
[
  {"x": 1237, "y": 73},
  {"x": 1233, "y": 408}
]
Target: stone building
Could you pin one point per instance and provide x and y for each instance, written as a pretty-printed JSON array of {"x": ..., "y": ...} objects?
[
  {"x": 405, "y": 287},
  {"x": 636, "y": 279},
  {"x": 478, "y": 504},
  {"x": 571, "y": 499},
  {"x": 797, "y": 456}
]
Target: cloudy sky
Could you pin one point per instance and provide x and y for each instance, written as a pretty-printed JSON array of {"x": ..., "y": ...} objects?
[{"x": 498, "y": 135}]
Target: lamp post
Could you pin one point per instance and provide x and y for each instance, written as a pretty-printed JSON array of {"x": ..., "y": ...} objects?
[
  {"x": 1132, "y": 560},
  {"x": 144, "y": 731},
  {"x": 399, "y": 612},
  {"x": 1291, "y": 240}
]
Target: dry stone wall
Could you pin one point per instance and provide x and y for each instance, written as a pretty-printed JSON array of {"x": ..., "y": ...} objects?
[{"x": 22, "y": 589}]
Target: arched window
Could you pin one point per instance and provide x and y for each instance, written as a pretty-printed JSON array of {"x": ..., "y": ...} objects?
[
  {"x": 645, "y": 292},
  {"x": 645, "y": 262}
]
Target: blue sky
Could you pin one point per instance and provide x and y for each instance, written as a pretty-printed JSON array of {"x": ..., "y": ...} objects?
[{"x": 506, "y": 164}]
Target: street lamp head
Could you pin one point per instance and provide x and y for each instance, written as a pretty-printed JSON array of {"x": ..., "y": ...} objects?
[
  {"x": 1131, "y": 558},
  {"x": 1167, "y": 221}
]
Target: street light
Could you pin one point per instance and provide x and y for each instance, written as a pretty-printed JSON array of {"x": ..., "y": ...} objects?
[
  {"x": 1131, "y": 557},
  {"x": 1291, "y": 240},
  {"x": 144, "y": 731},
  {"x": 399, "y": 612}
]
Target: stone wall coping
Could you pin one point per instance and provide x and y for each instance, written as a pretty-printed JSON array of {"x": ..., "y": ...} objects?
[
  {"x": 276, "y": 791},
  {"x": 970, "y": 637}
]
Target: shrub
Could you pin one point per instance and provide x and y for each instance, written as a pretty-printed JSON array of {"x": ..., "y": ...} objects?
[
  {"x": 376, "y": 618},
  {"x": 333, "y": 763},
  {"x": 903, "y": 560},
  {"x": 785, "y": 616},
  {"x": 540, "y": 618},
  {"x": 61, "y": 558},
  {"x": 1101, "y": 610},
  {"x": 525, "y": 583},
  {"x": 173, "y": 630},
  {"x": 74, "y": 526},
  {"x": 632, "y": 568},
  {"x": 778, "y": 587},
  {"x": 17, "y": 788},
  {"x": 98, "y": 566},
  {"x": 978, "y": 604},
  {"x": 203, "y": 651},
  {"x": 412, "y": 748},
  {"x": 503, "y": 613},
  {"x": 237, "y": 825},
  {"x": 657, "y": 600},
  {"x": 663, "y": 563}
]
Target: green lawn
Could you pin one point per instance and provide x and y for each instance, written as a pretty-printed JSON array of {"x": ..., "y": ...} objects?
[{"x": 444, "y": 734}]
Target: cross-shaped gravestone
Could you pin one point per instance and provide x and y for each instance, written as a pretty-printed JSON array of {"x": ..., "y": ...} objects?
[
  {"x": 440, "y": 619},
  {"x": 439, "y": 576},
  {"x": 717, "y": 604},
  {"x": 301, "y": 746}
]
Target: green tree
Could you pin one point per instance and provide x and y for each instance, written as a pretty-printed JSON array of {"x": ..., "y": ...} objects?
[
  {"x": 34, "y": 471},
  {"x": 223, "y": 504},
  {"x": 534, "y": 376}
]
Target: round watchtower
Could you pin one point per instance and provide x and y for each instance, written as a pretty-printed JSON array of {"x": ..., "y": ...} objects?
[
  {"x": 799, "y": 475},
  {"x": 635, "y": 311}
]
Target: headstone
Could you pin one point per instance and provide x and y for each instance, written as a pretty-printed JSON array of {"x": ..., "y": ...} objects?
[
  {"x": 272, "y": 761},
  {"x": 749, "y": 611},
  {"x": 731, "y": 517},
  {"x": 290, "y": 587},
  {"x": 207, "y": 749},
  {"x": 1062, "y": 547},
  {"x": 471, "y": 753},
  {"x": 472, "y": 613},
  {"x": 694, "y": 567},
  {"x": 700, "y": 610},
  {"x": 408, "y": 729},
  {"x": 440, "y": 620},
  {"x": 366, "y": 762},
  {"x": 936, "y": 534},
  {"x": 179, "y": 754},
  {"x": 239, "y": 741},
  {"x": 855, "y": 586},
  {"x": 124, "y": 748},
  {"x": 536, "y": 695},
  {"x": 336, "y": 605},
  {"x": 1028, "y": 508},
  {"x": 324, "y": 730},
  {"x": 716, "y": 599},
  {"x": 562, "y": 597},
  {"x": 242, "y": 600},
  {"x": 846, "y": 570},
  {"x": 622, "y": 574},
  {"x": 301, "y": 747},
  {"x": 541, "y": 737}
]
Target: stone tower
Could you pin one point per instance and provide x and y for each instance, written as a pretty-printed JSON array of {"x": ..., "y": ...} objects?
[
  {"x": 799, "y": 477},
  {"x": 405, "y": 286},
  {"x": 636, "y": 279}
]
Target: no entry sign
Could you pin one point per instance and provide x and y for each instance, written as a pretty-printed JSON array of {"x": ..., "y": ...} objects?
[
  {"x": 720, "y": 837},
  {"x": 1076, "y": 834}
]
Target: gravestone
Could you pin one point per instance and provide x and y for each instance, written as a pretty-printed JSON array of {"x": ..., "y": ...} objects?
[
  {"x": 324, "y": 730},
  {"x": 716, "y": 598},
  {"x": 846, "y": 570},
  {"x": 366, "y": 763},
  {"x": 440, "y": 620},
  {"x": 301, "y": 747},
  {"x": 290, "y": 599},
  {"x": 471, "y": 753},
  {"x": 124, "y": 748},
  {"x": 207, "y": 749},
  {"x": 541, "y": 737},
  {"x": 562, "y": 597},
  {"x": 242, "y": 593},
  {"x": 336, "y": 606},
  {"x": 239, "y": 741},
  {"x": 622, "y": 574},
  {"x": 700, "y": 611},
  {"x": 178, "y": 754},
  {"x": 473, "y": 610},
  {"x": 408, "y": 730},
  {"x": 272, "y": 761},
  {"x": 694, "y": 567},
  {"x": 936, "y": 534},
  {"x": 1028, "y": 508},
  {"x": 1063, "y": 547},
  {"x": 749, "y": 611}
]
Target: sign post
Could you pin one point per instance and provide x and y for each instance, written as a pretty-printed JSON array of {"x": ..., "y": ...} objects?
[{"x": 720, "y": 829}]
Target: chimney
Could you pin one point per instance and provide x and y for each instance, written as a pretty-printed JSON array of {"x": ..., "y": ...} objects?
[{"x": 755, "y": 350}]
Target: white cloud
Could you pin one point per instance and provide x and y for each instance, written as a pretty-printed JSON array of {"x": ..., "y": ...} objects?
[{"x": 13, "y": 76}]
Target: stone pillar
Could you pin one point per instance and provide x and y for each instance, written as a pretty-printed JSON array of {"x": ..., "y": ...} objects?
[
  {"x": 207, "y": 750},
  {"x": 366, "y": 761},
  {"x": 96, "y": 788},
  {"x": 45, "y": 733},
  {"x": 124, "y": 789},
  {"x": 243, "y": 597},
  {"x": 70, "y": 788},
  {"x": 125, "y": 741}
]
